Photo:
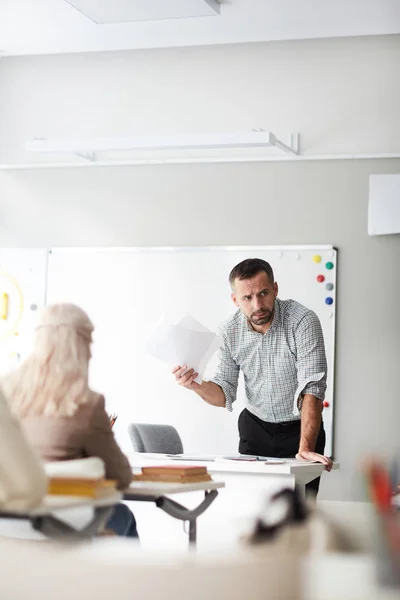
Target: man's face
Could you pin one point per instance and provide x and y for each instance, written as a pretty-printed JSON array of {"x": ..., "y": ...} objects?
[{"x": 256, "y": 297}]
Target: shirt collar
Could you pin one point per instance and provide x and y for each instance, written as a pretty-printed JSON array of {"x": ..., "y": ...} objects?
[{"x": 277, "y": 316}]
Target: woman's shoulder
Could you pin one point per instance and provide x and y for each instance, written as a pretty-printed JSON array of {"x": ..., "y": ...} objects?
[
  {"x": 95, "y": 407},
  {"x": 88, "y": 409},
  {"x": 96, "y": 400}
]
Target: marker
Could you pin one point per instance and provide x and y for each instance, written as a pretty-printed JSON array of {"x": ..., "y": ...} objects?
[{"x": 3, "y": 306}]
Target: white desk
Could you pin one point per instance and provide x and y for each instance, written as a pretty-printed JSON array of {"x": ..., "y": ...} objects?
[
  {"x": 159, "y": 488},
  {"x": 43, "y": 520},
  {"x": 157, "y": 492},
  {"x": 291, "y": 473}
]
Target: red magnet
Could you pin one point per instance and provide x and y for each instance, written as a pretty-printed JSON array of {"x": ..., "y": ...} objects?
[
  {"x": 325, "y": 404},
  {"x": 320, "y": 278}
]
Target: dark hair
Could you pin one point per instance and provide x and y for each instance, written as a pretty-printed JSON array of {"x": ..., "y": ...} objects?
[{"x": 249, "y": 268}]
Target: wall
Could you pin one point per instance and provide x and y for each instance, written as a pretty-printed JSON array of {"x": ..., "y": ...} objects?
[{"x": 342, "y": 94}]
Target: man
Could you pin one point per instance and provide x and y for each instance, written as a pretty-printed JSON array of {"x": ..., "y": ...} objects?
[{"x": 279, "y": 347}]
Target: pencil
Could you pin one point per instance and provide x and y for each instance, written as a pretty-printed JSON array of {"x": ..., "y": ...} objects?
[
  {"x": 113, "y": 417},
  {"x": 387, "y": 547}
]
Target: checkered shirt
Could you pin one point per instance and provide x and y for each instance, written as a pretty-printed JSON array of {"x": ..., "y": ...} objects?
[{"x": 279, "y": 366}]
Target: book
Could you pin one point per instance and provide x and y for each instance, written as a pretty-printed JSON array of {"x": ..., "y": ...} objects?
[
  {"x": 92, "y": 488},
  {"x": 175, "y": 470},
  {"x": 167, "y": 478},
  {"x": 77, "y": 468}
]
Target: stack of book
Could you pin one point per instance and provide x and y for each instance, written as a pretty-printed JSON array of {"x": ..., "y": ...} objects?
[
  {"x": 90, "y": 488},
  {"x": 174, "y": 474}
]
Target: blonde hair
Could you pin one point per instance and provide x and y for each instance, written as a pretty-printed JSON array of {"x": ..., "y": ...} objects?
[{"x": 53, "y": 379}]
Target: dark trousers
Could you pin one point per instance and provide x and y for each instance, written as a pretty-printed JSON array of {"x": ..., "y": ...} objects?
[
  {"x": 280, "y": 440},
  {"x": 123, "y": 522}
]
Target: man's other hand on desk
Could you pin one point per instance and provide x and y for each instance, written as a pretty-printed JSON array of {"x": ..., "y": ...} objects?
[
  {"x": 315, "y": 457},
  {"x": 186, "y": 377}
]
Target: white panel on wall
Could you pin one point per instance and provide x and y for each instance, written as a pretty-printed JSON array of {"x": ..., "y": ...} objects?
[
  {"x": 22, "y": 294},
  {"x": 384, "y": 204},
  {"x": 125, "y": 291}
]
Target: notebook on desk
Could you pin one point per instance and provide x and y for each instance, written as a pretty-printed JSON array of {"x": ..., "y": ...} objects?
[
  {"x": 196, "y": 457},
  {"x": 238, "y": 457},
  {"x": 254, "y": 458}
]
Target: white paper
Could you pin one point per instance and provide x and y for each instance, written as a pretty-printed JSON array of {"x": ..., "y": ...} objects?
[{"x": 186, "y": 343}]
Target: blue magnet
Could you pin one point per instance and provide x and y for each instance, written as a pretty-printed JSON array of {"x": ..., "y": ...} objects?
[{"x": 328, "y": 300}]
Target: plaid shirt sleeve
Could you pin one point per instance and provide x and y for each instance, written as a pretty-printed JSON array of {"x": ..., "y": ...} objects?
[
  {"x": 311, "y": 359},
  {"x": 227, "y": 373}
]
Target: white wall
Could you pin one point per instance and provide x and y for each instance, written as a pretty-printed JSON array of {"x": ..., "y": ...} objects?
[{"x": 342, "y": 94}]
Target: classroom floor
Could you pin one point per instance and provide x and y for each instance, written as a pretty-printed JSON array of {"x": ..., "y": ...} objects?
[
  {"x": 215, "y": 528},
  {"x": 218, "y": 527}
]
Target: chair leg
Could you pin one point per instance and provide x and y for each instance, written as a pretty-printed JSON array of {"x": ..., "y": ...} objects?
[{"x": 192, "y": 532}]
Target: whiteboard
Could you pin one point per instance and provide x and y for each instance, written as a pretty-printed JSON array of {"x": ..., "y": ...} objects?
[
  {"x": 125, "y": 291},
  {"x": 23, "y": 280}
]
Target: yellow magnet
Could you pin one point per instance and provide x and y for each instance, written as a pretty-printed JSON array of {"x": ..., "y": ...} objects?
[{"x": 3, "y": 306}]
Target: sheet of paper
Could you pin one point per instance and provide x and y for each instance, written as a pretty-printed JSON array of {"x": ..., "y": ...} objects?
[{"x": 186, "y": 343}]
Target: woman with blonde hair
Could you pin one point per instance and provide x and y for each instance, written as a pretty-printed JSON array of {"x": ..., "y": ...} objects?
[{"x": 60, "y": 415}]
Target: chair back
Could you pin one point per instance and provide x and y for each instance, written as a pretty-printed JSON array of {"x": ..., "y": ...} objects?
[{"x": 155, "y": 438}]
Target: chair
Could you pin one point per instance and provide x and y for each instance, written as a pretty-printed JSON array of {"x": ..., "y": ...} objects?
[{"x": 163, "y": 439}]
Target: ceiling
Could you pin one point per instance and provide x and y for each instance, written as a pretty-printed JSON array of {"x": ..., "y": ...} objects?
[{"x": 57, "y": 26}]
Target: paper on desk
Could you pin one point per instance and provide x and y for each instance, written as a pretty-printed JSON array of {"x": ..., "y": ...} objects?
[{"x": 186, "y": 343}]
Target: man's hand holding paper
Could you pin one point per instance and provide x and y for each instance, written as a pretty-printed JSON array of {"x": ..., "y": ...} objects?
[{"x": 188, "y": 343}]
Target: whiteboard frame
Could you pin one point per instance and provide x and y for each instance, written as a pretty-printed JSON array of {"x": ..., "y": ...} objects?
[
  {"x": 241, "y": 248},
  {"x": 127, "y": 249}
]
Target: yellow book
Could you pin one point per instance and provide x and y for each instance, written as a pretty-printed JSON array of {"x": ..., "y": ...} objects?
[
  {"x": 167, "y": 478},
  {"x": 92, "y": 488}
]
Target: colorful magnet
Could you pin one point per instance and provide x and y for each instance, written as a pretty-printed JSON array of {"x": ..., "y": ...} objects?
[
  {"x": 320, "y": 278},
  {"x": 328, "y": 300},
  {"x": 329, "y": 286},
  {"x": 325, "y": 404},
  {"x": 329, "y": 265},
  {"x": 3, "y": 306},
  {"x": 317, "y": 258}
]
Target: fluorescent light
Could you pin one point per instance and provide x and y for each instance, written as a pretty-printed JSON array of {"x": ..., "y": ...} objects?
[
  {"x": 129, "y": 11},
  {"x": 182, "y": 142}
]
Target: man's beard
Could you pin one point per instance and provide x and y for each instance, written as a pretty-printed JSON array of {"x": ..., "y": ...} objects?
[{"x": 261, "y": 317}]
